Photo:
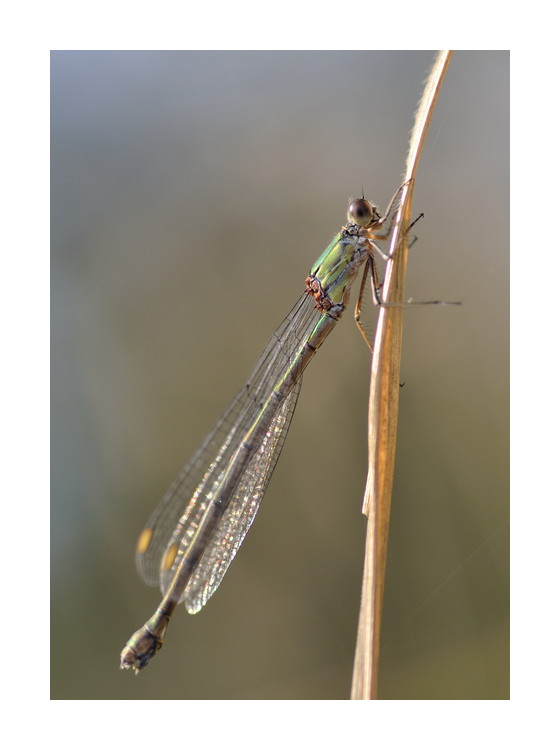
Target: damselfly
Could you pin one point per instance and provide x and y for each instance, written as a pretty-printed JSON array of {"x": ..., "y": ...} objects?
[{"x": 196, "y": 530}]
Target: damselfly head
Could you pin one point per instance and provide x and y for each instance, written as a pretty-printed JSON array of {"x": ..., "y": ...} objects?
[{"x": 362, "y": 213}]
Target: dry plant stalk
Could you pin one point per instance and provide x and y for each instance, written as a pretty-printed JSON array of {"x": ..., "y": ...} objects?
[{"x": 384, "y": 407}]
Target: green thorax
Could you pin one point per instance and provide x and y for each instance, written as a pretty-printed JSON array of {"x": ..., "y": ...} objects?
[{"x": 331, "y": 276}]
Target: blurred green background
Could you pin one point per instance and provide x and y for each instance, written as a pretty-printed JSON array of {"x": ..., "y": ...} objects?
[{"x": 191, "y": 191}]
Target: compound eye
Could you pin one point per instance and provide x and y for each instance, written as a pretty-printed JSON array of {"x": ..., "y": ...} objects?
[{"x": 360, "y": 212}]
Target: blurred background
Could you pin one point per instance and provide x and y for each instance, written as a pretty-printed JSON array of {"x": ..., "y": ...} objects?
[{"x": 191, "y": 191}]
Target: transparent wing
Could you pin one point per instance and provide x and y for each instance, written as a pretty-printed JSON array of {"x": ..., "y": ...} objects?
[
  {"x": 240, "y": 513},
  {"x": 177, "y": 517}
]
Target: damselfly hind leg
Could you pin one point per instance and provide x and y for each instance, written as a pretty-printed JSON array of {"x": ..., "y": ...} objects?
[{"x": 369, "y": 269}]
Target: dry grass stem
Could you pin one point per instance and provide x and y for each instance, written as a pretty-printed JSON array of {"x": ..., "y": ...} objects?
[{"x": 383, "y": 409}]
